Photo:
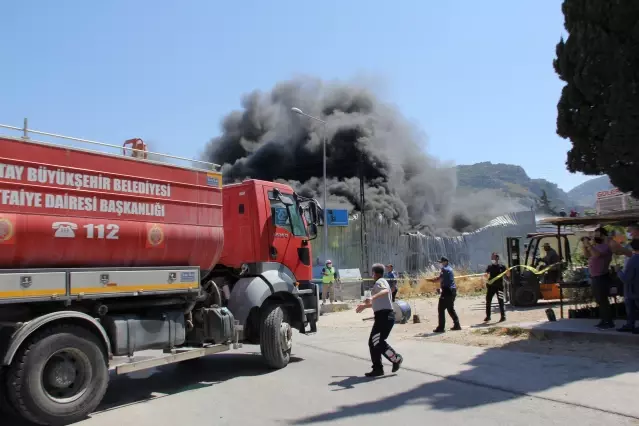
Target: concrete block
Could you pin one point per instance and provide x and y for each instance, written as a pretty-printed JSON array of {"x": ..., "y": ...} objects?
[{"x": 334, "y": 307}]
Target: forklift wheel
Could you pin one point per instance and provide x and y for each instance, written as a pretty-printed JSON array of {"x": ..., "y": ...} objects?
[{"x": 525, "y": 296}]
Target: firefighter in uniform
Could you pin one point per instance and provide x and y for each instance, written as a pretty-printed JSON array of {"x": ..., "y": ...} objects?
[
  {"x": 329, "y": 278},
  {"x": 382, "y": 306}
]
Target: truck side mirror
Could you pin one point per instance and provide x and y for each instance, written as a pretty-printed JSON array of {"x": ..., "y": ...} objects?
[
  {"x": 312, "y": 210},
  {"x": 312, "y": 231}
]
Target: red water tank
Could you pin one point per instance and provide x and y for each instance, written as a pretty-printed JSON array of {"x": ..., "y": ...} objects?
[{"x": 63, "y": 207}]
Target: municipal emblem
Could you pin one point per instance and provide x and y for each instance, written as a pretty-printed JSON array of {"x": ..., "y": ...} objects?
[
  {"x": 155, "y": 236},
  {"x": 6, "y": 230}
]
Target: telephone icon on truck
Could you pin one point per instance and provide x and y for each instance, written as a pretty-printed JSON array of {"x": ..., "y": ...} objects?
[{"x": 64, "y": 229}]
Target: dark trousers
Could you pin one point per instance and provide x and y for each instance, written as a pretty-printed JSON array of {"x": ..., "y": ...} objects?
[
  {"x": 394, "y": 293},
  {"x": 551, "y": 277},
  {"x": 384, "y": 322},
  {"x": 447, "y": 303},
  {"x": 491, "y": 291},
  {"x": 601, "y": 291},
  {"x": 631, "y": 311}
]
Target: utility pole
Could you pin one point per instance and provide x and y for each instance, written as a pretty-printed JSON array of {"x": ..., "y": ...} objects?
[{"x": 362, "y": 207}]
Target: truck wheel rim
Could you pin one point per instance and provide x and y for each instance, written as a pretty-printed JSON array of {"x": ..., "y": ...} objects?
[
  {"x": 66, "y": 375},
  {"x": 286, "y": 336}
]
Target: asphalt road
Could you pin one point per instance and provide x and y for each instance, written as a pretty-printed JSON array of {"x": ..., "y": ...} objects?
[{"x": 324, "y": 384}]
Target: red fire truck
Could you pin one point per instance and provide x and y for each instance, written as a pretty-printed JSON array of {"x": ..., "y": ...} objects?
[{"x": 104, "y": 255}]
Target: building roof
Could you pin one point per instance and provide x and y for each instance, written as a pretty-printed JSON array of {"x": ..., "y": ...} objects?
[
  {"x": 547, "y": 234},
  {"x": 621, "y": 218}
]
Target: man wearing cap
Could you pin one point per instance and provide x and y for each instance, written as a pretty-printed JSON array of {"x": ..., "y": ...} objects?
[
  {"x": 391, "y": 277},
  {"x": 447, "y": 295},
  {"x": 551, "y": 259},
  {"x": 329, "y": 278},
  {"x": 382, "y": 305}
]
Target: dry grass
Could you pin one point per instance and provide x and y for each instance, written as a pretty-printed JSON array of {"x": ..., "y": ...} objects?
[
  {"x": 467, "y": 284},
  {"x": 505, "y": 331}
]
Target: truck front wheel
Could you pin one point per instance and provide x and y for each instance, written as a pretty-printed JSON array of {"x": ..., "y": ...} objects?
[
  {"x": 59, "y": 376},
  {"x": 276, "y": 337}
]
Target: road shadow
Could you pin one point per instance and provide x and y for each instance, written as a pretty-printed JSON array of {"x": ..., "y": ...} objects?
[
  {"x": 483, "y": 325},
  {"x": 541, "y": 305},
  {"x": 494, "y": 307},
  {"x": 349, "y": 382},
  {"x": 496, "y": 375},
  {"x": 147, "y": 385}
]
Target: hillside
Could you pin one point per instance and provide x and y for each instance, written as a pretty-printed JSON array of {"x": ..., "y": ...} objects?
[
  {"x": 513, "y": 182},
  {"x": 585, "y": 194}
]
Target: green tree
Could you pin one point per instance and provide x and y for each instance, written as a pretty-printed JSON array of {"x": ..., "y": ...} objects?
[
  {"x": 543, "y": 204},
  {"x": 599, "y": 105}
]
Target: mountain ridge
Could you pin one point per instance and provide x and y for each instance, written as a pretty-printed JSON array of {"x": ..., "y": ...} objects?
[{"x": 512, "y": 181}]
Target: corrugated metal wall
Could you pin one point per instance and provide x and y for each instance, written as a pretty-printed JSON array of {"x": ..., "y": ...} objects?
[{"x": 413, "y": 253}]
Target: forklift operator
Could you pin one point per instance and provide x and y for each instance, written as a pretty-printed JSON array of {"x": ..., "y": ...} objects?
[{"x": 551, "y": 259}]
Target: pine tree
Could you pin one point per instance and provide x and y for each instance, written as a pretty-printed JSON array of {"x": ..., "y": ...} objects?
[
  {"x": 543, "y": 204},
  {"x": 599, "y": 105}
]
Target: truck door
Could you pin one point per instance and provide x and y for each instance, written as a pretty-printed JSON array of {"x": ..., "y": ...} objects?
[{"x": 287, "y": 233}]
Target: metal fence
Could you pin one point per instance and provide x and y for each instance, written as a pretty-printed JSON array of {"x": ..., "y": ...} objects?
[{"x": 414, "y": 252}]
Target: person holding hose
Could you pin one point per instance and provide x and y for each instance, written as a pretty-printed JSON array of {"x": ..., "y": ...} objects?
[
  {"x": 495, "y": 286},
  {"x": 382, "y": 305}
]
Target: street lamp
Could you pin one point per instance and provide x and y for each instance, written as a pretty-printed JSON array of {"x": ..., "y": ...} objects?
[{"x": 325, "y": 242}]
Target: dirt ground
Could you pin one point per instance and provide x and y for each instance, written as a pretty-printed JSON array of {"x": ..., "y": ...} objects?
[{"x": 475, "y": 333}]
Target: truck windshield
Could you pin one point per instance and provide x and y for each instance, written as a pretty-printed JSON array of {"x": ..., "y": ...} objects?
[{"x": 287, "y": 215}]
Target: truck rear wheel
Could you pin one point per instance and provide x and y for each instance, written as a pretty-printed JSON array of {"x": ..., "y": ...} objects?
[
  {"x": 276, "y": 337},
  {"x": 59, "y": 376}
]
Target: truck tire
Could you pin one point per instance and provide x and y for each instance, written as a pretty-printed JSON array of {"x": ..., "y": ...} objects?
[
  {"x": 276, "y": 337},
  {"x": 59, "y": 376}
]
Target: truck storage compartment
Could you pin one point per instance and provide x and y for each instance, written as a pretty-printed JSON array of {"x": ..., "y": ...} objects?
[
  {"x": 130, "y": 333},
  {"x": 65, "y": 207},
  {"x": 99, "y": 282}
]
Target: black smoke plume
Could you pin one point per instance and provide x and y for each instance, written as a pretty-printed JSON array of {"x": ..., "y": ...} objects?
[{"x": 266, "y": 140}]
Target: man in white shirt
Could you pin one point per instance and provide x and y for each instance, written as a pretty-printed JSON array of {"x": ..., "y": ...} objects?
[{"x": 382, "y": 305}]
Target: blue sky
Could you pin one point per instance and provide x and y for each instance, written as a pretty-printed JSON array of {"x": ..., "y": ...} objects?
[{"x": 475, "y": 76}]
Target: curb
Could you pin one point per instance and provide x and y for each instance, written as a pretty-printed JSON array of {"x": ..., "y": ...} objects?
[{"x": 543, "y": 331}]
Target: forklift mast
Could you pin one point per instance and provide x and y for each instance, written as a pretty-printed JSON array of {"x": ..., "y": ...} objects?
[{"x": 514, "y": 259}]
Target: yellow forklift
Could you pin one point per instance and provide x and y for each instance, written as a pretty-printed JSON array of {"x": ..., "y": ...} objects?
[{"x": 525, "y": 288}]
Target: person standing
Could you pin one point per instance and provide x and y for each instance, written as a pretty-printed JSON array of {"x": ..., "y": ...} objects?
[
  {"x": 496, "y": 287},
  {"x": 382, "y": 305},
  {"x": 631, "y": 303},
  {"x": 329, "y": 278},
  {"x": 391, "y": 276},
  {"x": 629, "y": 275},
  {"x": 599, "y": 256},
  {"x": 447, "y": 294}
]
